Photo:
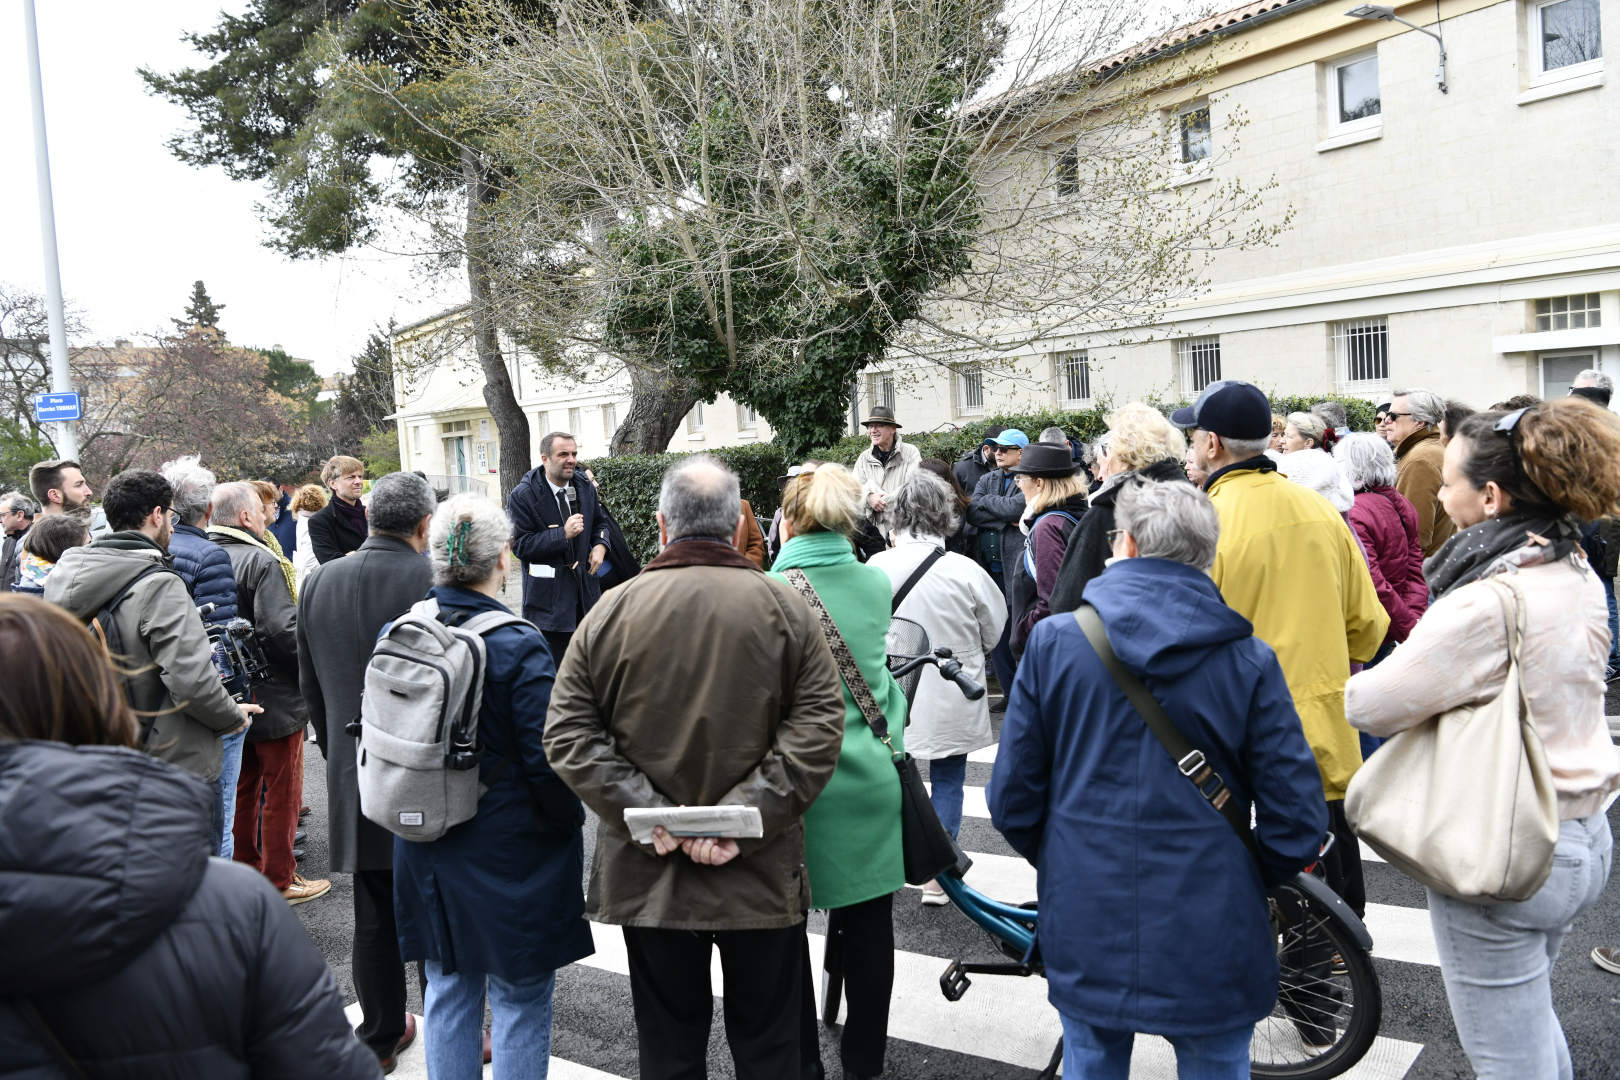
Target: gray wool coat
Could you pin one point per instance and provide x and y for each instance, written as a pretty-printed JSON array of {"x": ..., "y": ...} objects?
[{"x": 342, "y": 607}]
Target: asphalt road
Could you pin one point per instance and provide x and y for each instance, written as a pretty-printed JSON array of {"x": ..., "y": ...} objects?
[{"x": 1003, "y": 1028}]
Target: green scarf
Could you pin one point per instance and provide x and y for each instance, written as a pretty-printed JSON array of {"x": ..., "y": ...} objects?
[
  {"x": 269, "y": 543},
  {"x": 814, "y": 549}
]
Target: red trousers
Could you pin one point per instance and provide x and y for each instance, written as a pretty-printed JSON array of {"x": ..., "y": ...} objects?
[{"x": 267, "y": 799}]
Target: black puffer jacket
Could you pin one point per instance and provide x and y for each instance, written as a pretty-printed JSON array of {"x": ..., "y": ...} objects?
[
  {"x": 1088, "y": 552},
  {"x": 143, "y": 956}
]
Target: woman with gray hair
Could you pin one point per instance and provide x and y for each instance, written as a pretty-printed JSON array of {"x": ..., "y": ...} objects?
[
  {"x": 495, "y": 905},
  {"x": 958, "y": 604},
  {"x": 1386, "y": 523}
]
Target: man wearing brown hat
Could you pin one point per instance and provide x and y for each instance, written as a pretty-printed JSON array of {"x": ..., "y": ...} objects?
[{"x": 884, "y": 467}]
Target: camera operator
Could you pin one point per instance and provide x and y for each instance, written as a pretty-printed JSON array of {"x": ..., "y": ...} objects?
[{"x": 270, "y": 786}]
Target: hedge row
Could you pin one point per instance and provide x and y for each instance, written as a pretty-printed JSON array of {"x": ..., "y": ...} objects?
[{"x": 629, "y": 484}]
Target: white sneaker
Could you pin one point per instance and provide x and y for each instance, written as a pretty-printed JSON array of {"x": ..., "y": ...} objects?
[{"x": 933, "y": 895}]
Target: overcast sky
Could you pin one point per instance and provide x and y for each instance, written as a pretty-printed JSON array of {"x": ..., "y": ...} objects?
[{"x": 135, "y": 227}]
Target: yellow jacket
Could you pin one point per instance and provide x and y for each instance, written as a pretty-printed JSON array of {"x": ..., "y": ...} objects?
[{"x": 1289, "y": 564}]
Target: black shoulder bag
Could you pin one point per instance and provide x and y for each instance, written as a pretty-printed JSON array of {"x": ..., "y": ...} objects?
[
  {"x": 929, "y": 850},
  {"x": 916, "y": 576},
  {"x": 1190, "y": 761}
]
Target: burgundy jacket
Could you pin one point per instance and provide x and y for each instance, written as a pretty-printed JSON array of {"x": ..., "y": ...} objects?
[{"x": 1386, "y": 523}]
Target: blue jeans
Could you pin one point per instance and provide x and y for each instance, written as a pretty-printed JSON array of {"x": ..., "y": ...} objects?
[
  {"x": 945, "y": 779},
  {"x": 1093, "y": 1053},
  {"x": 1001, "y": 657},
  {"x": 1614, "y": 624},
  {"x": 453, "y": 1025},
  {"x": 230, "y": 770},
  {"x": 1497, "y": 960}
]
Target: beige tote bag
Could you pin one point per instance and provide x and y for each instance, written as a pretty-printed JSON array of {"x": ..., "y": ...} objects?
[{"x": 1464, "y": 801}]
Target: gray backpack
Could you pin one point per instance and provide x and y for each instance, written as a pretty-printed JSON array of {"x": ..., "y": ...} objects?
[{"x": 419, "y": 752}]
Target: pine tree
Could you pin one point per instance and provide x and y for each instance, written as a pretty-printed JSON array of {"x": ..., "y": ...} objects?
[{"x": 201, "y": 311}]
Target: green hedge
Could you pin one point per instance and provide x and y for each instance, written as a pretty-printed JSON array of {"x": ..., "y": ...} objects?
[{"x": 629, "y": 484}]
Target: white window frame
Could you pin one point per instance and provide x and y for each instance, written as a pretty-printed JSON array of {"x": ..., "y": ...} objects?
[
  {"x": 880, "y": 389},
  {"x": 416, "y": 439},
  {"x": 969, "y": 382},
  {"x": 1186, "y": 353},
  {"x": 542, "y": 422},
  {"x": 610, "y": 419},
  {"x": 694, "y": 419},
  {"x": 1066, "y": 171},
  {"x": 1593, "y": 317},
  {"x": 1592, "y": 357},
  {"x": 1541, "y": 76},
  {"x": 1061, "y": 364},
  {"x": 574, "y": 424},
  {"x": 1199, "y": 169},
  {"x": 747, "y": 417},
  {"x": 1349, "y": 338},
  {"x": 1366, "y": 123}
]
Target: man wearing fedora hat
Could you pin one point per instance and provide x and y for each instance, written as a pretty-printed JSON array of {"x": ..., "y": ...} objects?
[{"x": 884, "y": 467}]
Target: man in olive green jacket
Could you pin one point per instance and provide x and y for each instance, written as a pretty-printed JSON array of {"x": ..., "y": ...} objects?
[{"x": 702, "y": 682}]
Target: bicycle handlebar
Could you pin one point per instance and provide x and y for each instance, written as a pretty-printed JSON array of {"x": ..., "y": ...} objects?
[{"x": 948, "y": 669}]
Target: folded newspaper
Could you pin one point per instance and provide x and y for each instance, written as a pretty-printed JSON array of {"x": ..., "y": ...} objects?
[{"x": 733, "y": 821}]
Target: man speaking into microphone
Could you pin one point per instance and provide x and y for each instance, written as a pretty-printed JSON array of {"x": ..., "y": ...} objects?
[{"x": 561, "y": 535}]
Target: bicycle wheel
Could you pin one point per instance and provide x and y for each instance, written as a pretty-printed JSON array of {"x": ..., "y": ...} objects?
[{"x": 1328, "y": 1000}]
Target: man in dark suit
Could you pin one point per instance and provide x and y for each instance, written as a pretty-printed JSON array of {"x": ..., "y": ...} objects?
[
  {"x": 342, "y": 607},
  {"x": 561, "y": 534},
  {"x": 339, "y": 527}
]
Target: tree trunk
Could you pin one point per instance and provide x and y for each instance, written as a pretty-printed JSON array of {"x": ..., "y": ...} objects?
[
  {"x": 510, "y": 421},
  {"x": 658, "y": 403}
]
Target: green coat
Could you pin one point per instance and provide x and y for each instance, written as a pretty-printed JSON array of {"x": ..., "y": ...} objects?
[{"x": 852, "y": 830}]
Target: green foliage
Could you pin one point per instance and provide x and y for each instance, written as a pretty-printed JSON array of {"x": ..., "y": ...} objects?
[
  {"x": 20, "y": 447},
  {"x": 380, "y": 451},
  {"x": 629, "y": 484},
  {"x": 295, "y": 380},
  {"x": 368, "y": 395},
  {"x": 200, "y": 310}
]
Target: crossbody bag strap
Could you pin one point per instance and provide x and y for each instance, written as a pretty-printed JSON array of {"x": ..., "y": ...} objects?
[
  {"x": 1190, "y": 761},
  {"x": 847, "y": 667},
  {"x": 42, "y": 1031},
  {"x": 916, "y": 576}
]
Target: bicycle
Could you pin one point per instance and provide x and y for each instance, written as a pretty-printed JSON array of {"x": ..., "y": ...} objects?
[{"x": 1329, "y": 1004}]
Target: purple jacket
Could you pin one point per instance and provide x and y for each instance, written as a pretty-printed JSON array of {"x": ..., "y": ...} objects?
[
  {"x": 1030, "y": 601},
  {"x": 1386, "y": 523}
]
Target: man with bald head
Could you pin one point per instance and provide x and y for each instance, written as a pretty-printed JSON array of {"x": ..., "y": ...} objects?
[{"x": 700, "y": 682}]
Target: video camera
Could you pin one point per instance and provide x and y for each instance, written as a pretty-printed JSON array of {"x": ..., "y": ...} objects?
[{"x": 238, "y": 656}]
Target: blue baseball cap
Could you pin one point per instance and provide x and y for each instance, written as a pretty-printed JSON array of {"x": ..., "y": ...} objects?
[
  {"x": 1013, "y": 437},
  {"x": 1231, "y": 408}
]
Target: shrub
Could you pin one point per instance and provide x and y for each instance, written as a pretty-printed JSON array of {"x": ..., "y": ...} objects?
[{"x": 629, "y": 484}]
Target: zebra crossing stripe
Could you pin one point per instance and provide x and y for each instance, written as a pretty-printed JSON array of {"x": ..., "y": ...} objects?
[{"x": 411, "y": 1064}]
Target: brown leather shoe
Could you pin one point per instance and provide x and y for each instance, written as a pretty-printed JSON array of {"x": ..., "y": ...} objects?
[
  {"x": 405, "y": 1040},
  {"x": 301, "y": 891}
]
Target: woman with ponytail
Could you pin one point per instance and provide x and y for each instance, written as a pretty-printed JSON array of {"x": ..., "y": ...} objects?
[
  {"x": 1517, "y": 485},
  {"x": 495, "y": 906}
]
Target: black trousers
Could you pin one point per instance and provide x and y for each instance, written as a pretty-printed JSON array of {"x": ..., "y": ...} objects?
[
  {"x": 1343, "y": 863},
  {"x": 378, "y": 971},
  {"x": 860, "y": 944},
  {"x": 558, "y": 641},
  {"x": 674, "y": 1002}
]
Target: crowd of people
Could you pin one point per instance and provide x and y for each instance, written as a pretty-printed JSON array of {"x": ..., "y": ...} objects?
[{"x": 1292, "y": 593}]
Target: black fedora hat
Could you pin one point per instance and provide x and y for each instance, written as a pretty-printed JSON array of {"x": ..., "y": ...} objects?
[
  {"x": 1045, "y": 459},
  {"x": 881, "y": 414}
]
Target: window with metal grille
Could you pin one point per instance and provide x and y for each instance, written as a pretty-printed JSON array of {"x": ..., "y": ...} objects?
[
  {"x": 694, "y": 419},
  {"x": 1361, "y": 352},
  {"x": 880, "y": 389},
  {"x": 610, "y": 419},
  {"x": 970, "y": 392},
  {"x": 1200, "y": 362},
  {"x": 747, "y": 418},
  {"x": 1074, "y": 377},
  {"x": 1568, "y": 312}
]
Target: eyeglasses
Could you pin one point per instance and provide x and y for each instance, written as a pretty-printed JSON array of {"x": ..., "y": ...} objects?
[
  {"x": 1113, "y": 535},
  {"x": 1393, "y": 415}
]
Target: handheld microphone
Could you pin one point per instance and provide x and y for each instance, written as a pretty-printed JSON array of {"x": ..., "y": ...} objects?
[{"x": 573, "y": 500}]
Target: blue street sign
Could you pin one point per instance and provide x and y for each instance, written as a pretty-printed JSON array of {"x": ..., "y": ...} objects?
[{"x": 53, "y": 407}]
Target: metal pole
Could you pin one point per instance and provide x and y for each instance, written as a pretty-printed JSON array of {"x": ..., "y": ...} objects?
[{"x": 67, "y": 441}]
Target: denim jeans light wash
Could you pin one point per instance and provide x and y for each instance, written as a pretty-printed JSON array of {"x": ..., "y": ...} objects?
[
  {"x": 945, "y": 779},
  {"x": 1093, "y": 1053},
  {"x": 225, "y": 793},
  {"x": 453, "y": 1025},
  {"x": 1497, "y": 960}
]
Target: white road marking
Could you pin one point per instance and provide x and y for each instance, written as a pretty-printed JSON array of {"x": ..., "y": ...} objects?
[{"x": 412, "y": 1064}]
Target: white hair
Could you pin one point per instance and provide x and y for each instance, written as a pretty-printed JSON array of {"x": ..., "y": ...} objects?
[
  {"x": 1169, "y": 520},
  {"x": 1367, "y": 460},
  {"x": 700, "y": 497},
  {"x": 1598, "y": 380},
  {"x": 193, "y": 487},
  {"x": 231, "y": 499},
  {"x": 1426, "y": 406},
  {"x": 466, "y": 538},
  {"x": 925, "y": 506}
]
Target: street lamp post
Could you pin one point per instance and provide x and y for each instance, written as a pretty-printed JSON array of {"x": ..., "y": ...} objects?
[
  {"x": 67, "y": 440},
  {"x": 1377, "y": 12}
]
